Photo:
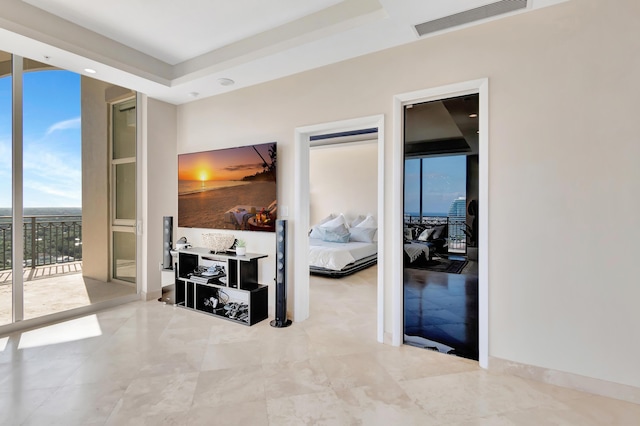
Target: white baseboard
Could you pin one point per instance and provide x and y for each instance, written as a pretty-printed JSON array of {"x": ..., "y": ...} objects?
[{"x": 567, "y": 380}]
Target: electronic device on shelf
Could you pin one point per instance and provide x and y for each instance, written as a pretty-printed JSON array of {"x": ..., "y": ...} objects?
[
  {"x": 221, "y": 285},
  {"x": 213, "y": 271}
]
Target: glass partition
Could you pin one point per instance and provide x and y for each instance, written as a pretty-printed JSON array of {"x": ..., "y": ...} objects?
[
  {"x": 64, "y": 118},
  {"x": 6, "y": 279},
  {"x": 52, "y": 176}
]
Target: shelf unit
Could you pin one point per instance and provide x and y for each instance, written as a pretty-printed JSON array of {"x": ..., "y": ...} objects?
[{"x": 235, "y": 296}]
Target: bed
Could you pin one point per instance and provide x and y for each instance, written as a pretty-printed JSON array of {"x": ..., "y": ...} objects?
[
  {"x": 338, "y": 248},
  {"x": 340, "y": 259}
]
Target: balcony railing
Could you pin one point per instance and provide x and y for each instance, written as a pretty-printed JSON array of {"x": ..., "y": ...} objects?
[
  {"x": 456, "y": 238},
  {"x": 48, "y": 240}
]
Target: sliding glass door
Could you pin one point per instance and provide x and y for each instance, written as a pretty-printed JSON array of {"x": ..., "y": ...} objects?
[
  {"x": 6, "y": 276},
  {"x": 60, "y": 132}
]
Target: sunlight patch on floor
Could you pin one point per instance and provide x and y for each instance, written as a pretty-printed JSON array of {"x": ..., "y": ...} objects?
[{"x": 69, "y": 331}]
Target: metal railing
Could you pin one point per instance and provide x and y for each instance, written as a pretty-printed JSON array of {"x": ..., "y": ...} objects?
[
  {"x": 456, "y": 226},
  {"x": 48, "y": 239}
]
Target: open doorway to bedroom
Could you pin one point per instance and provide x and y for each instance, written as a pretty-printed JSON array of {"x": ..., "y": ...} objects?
[
  {"x": 440, "y": 250},
  {"x": 343, "y": 199},
  {"x": 301, "y": 269}
]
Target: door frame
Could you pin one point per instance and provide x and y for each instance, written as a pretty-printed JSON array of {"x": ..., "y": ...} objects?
[
  {"x": 301, "y": 222},
  {"x": 481, "y": 87}
]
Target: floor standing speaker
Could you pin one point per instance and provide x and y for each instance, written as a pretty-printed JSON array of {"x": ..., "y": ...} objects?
[
  {"x": 281, "y": 275},
  {"x": 167, "y": 242}
]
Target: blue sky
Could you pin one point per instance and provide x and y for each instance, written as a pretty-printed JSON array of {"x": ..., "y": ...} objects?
[
  {"x": 52, "y": 148},
  {"x": 444, "y": 180}
]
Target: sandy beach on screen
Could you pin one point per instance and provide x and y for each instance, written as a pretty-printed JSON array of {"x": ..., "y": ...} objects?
[{"x": 207, "y": 209}]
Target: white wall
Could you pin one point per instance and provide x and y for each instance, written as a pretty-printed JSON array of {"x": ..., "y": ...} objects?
[
  {"x": 563, "y": 177},
  {"x": 95, "y": 183},
  {"x": 160, "y": 170},
  {"x": 202, "y": 137},
  {"x": 343, "y": 179},
  {"x": 95, "y": 98}
]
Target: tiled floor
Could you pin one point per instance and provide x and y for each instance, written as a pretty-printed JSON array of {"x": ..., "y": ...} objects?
[
  {"x": 146, "y": 363},
  {"x": 443, "y": 308}
]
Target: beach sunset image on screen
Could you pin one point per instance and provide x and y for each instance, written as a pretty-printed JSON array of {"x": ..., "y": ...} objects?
[{"x": 233, "y": 188}]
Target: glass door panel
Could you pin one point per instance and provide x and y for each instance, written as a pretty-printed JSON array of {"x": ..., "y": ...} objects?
[
  {"x": 123, "y": 184},
  {"x": 440, "y": 180},
  {"x": 125, "y": 191},
  {"x": 52, "y": 175},
  {"x": 124, "y": 129},
  {"x": 124, "y": 256},
  {"x": 6, "y": 276}
]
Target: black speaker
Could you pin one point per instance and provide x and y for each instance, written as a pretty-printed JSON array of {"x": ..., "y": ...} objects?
[
  {"x": 281, "y": 275},
  {"x": 167, "y": 242}
]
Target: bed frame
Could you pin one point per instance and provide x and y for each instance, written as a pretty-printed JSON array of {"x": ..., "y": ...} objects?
[{"x": 351, "y": 268}]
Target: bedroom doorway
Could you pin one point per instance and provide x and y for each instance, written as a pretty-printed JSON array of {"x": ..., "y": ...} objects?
[
  {"x": 343, "y": 219},
  {"x": 440, "y": 285},
  {"x": 304, "y": 138},
  {"x": 478, "y": 88}
]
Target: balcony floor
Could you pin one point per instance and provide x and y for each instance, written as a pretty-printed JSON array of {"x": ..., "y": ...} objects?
[{"x": 56, "y": 288}]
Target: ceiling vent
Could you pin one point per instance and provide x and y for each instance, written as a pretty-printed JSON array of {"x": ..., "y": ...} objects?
[{"x": 466, "y": 17}]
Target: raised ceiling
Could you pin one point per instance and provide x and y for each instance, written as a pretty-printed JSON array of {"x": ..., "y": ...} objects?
[{"x": 174, "y": 50}]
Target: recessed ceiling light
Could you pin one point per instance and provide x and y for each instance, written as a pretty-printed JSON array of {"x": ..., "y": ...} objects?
[
  {"x": 90, "y": 70},
  {"x": 473, "y": 115},
  {"x": 194, "y": 94},
  {"x": 226, "y": 82}
]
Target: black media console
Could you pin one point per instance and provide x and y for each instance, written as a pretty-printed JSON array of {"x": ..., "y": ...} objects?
[{"x": 222, "y": 285}]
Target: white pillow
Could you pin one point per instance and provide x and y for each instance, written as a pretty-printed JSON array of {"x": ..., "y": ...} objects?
[
  {"x": 339, "y": 234},
  {"x": 357, "y": 220},
  {"x": 323, "y": 221},
  {"x": 424, "y": 236},
  {"x": 369, "y": 222},
  {"x": 326, "y": 219},
  {"x": 365, "y": 235},
  {"x": 337, "y": 221},
  {"x": 328, "y": 222}
]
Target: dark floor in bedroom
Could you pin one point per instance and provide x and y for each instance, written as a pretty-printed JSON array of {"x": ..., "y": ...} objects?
[{"x": 442, "y": 307}]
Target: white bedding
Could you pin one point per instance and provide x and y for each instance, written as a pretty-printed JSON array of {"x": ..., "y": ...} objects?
[
  {"x": 414, "y": 251},
  {"x": 336, "y": 256}
]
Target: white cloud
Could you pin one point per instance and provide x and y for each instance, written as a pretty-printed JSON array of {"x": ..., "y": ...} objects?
[
  {"x": 73, "y": 123},
  {"x": 52, "y": 169},
  {"x": 51, "y": 178}
]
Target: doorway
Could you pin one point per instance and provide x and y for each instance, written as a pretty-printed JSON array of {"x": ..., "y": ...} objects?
[
  {"x": 342, "y": 258},
  {"x": 440, "y": 283},
  {"x": 302, "y": 214},
  {"x": 479, "y": 87},
  {"x": 123, "y": 191}
]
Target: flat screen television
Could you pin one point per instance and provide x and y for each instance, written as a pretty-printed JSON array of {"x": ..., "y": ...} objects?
[{"x": 233, "y": 188}]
